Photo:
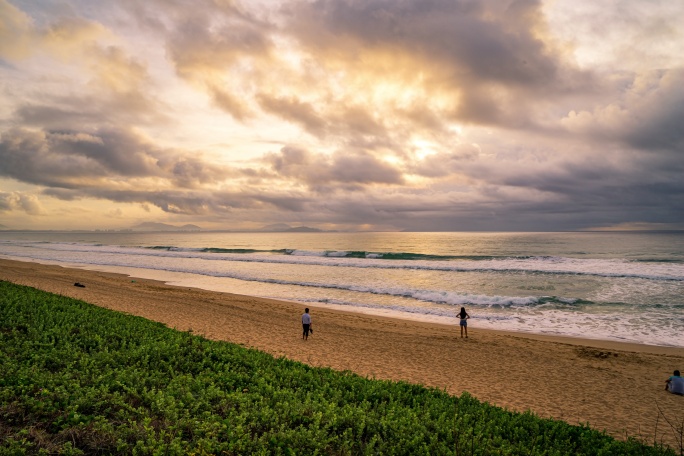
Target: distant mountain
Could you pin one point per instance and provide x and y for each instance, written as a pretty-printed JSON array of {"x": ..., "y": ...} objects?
[
  {"x": 276, "y": 227},
  {"x": 190, "y": 227},
  {"x": 285, "y": 228},
  {"x": 303, "y": 229},
  {"x": 155, "y": 226},
  {"x": 3, "y": 227}
]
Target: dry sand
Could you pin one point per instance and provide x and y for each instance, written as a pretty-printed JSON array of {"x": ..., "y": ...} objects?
[{"x": 612, "y": 386}]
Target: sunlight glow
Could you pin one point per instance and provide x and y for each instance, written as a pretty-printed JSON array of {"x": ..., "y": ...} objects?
[{"x": 423, "y": 148}]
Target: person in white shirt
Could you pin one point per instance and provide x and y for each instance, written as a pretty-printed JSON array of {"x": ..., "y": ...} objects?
[
  {"x": 306, "y": 324},
  {"x": 675, "y": 384}
]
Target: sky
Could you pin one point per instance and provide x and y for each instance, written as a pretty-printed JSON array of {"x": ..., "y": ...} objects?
[{"x": 389, "y": 115}]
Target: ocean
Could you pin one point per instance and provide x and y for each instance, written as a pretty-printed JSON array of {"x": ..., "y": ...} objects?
[{"x": 624, "y": 286}]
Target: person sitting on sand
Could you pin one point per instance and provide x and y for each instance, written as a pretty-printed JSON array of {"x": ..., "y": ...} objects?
[
  {"x": 675, "y": 384},
  {"x": 463, "y": 315},
  {"x": 306, "y": 324}
]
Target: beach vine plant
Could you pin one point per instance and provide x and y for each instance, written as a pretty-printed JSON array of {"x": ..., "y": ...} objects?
[{"x": 79, "y": 379}]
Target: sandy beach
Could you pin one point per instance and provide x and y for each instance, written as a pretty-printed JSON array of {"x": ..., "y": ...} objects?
[{"x": 613, "y": 386}]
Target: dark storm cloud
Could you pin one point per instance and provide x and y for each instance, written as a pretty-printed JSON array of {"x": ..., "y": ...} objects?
[
  {"x": 546, "y": 189},
  {"x": 198, "y": 202},
  {"x": 64, "y": 158},
  {"x": 491, "y": 41},
  {"x": 70, "y": 159},
  {"x": 597, "y": 187},
  {"x": 604, "y": 187},
  {"x": 476, "y": 210},
  {"x": 191, "y": 172},
  {"x": 81, "y": 112},
  {"x": 660, "y": 116},
  {"x": 356, "y": 168},
  {"x": 56, "y": 116},
  {"x": 646, "y": 115}
]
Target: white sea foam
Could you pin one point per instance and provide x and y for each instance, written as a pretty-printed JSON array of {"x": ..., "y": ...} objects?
[
  {"x": 442, "y": 297},
  {"x": 538, "y": 264}
]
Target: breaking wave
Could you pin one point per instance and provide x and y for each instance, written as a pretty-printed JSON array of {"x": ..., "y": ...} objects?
[{"x": 651, "y": 270}]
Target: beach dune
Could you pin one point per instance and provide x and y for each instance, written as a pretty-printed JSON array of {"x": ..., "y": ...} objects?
[{"x": 612, "y": 386}]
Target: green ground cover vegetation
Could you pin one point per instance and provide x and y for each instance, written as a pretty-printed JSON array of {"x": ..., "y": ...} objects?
[{"x": 76, "y": 378}]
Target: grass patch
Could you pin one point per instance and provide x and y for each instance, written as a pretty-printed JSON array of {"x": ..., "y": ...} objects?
[{"x": 76, "y": 378}]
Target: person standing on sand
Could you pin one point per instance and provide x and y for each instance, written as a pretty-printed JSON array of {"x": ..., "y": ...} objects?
[
  {"x": 675, "y": 384},
  {"x": 463, "y": 315},
  {"x": 306, "y": 324}
]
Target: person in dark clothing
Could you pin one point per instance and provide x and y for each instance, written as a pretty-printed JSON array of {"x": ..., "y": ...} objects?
[
  {"x": 306, "y": 324},
  {"x": 463, "y": 315}
]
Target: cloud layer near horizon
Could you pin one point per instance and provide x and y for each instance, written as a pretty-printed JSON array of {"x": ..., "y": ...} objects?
[{"x": 413, "y": 115}]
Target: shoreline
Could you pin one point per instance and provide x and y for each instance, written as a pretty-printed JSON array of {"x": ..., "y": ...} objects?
[
  {"x": 153, "y": 275},
  {"x": 611, "y": 385},
  {"x": 179, "y": 279}
]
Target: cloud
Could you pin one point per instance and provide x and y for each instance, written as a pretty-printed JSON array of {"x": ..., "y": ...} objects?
[
  {"x": 411, "y": 114},
  {"x": 216, "y": 47},
  {"x": 231, "y": 104},
  {"x": 486, "y": 56},
  {"x": 445, "y": 163},
  {"x": 189, "y": 202},
  {"x": 13, "y": 201},
  {"x": 321, "y": 171},
  {"x": 117, "y": 93},
  {"x": 115, "y": 213},
  {"x": 343, "y": 69},
  {"x": 489, "y": 41},
  {"x": 467, "y": 188},
  {"x": 65, "y": 38},
  {"x": 639, "y": 226},
  {"x": 209, "y": 39},
  {"x": 621, "y": 35},
  {"x": 92, "y": 79},
  {"x": 647, "y": 115},
  {"x": 69, "y": 159},
  {"x": 15, "y": 26},
  {"x": 295, "y": 110},
  {"x": 66, "y": 158}
]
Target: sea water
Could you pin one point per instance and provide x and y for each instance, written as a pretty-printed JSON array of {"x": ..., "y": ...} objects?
[{"x": 626, "y": 286}]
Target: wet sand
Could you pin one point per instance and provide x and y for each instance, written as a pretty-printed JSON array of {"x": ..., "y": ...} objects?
[{"x": 612, "y": 386}]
